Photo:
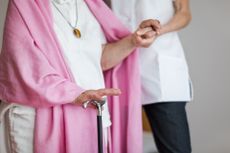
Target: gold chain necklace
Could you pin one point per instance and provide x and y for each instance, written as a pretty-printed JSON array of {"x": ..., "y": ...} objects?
[{"x": 76, "y": 31}]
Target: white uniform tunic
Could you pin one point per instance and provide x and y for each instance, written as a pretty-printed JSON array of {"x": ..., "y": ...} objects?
[{"x": 164, "y": 71}]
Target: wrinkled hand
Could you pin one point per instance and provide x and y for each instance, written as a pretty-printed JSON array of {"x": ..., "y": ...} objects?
[
  {"x": 96, "y": 95},
  {"x": 147, "y": 32}
]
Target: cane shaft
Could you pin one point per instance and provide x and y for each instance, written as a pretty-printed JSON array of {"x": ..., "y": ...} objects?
[{"x": 100, "y": 134}]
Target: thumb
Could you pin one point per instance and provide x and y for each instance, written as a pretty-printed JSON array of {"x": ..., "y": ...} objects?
[{"x": 142, "y": 31}]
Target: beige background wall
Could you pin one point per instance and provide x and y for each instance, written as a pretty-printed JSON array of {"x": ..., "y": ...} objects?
[
  {"x": 3, "y": 7},
  {"x": 207, "y": 45}
]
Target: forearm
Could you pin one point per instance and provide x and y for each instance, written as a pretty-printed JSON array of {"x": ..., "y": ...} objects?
[
  {"x": 114, "y": 53},
  {"x": 181, "y": 18}
]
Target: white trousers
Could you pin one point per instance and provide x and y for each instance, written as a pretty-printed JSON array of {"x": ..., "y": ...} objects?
[{"x": 17, "y": 128}]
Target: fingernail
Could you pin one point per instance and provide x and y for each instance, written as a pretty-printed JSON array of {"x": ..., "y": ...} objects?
[
  {"x": 138, "y": 33},
  {"x": 158, "y": 32}
]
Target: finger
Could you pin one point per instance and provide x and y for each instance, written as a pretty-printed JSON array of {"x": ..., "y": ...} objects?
[
  {"x": 88, "y": 95},
  {"x": 92, "y": 106},
  {"x": 109, "y": 92},
  {"x": 138, "y": 41},
  {"x": 146, "y": 42},
  {"x": 142, "y": 31},
  {"x": 149, "y": 34},
  {"x": 96, "y": 96},
  {"x": 155, "y": 24},
  {"x": 157, "y": 31}
]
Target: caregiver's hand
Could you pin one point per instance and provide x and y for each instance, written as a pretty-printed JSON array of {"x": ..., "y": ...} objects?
[
  {"x": 114, "y": 53},
  {"x": 96, "y": 95},
  {"x": 147, "y": 32}
]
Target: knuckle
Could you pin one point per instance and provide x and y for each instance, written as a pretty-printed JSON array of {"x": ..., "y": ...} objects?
[{"x": 97, "y": 97}]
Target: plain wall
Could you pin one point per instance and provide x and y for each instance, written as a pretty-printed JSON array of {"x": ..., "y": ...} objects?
[
  {"x": 3, "y": 8},
  {"x": 207, "y": 46}
]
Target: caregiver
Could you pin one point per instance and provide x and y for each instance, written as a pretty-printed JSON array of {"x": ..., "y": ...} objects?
[{"x": 166, "y": 84}]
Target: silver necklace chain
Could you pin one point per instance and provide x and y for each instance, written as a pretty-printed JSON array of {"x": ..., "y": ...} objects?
[{"x": 73, "y": 27}]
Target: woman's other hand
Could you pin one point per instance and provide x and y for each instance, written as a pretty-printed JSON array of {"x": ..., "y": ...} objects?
[{"x": 96, "y": 95}]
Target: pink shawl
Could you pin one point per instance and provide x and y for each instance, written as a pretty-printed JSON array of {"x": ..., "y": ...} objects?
[{"x": 33, "y": 72}]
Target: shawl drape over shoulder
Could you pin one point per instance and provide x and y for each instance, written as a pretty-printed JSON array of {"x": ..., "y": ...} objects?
[{"x": 33, "y": 72}]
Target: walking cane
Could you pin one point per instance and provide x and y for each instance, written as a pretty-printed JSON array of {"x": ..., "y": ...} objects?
[{"x": 99, "y": 105}]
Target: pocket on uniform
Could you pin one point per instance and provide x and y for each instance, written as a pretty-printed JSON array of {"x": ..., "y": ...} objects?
[{"x": 174, "y": 79}]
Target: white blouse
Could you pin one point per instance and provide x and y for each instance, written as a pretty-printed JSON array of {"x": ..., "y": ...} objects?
[{"x": 82, "y": 55}]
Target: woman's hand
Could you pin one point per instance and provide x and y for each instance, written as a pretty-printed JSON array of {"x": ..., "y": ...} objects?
[
  {"x": 96, "y": 95},
  {"x": 147, "y": 32}
]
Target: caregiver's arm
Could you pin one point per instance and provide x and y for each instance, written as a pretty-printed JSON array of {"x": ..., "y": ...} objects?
[
  {"x": 114, "y": 53},
  {"x": 181, "y": 18}
]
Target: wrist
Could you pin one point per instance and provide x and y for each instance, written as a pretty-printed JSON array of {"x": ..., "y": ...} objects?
[
  {"x": 132, "y": 41},
  {"x": 162, "y": 31},
  {"x": 81, "y": 98},
  {"x": 165, "y": 29}
]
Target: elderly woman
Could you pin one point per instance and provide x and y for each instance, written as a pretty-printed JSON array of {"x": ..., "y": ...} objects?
[{"x": 52, "y": 60}]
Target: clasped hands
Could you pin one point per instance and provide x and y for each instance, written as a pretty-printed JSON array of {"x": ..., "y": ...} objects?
[{"x": 147, "y": 32}]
